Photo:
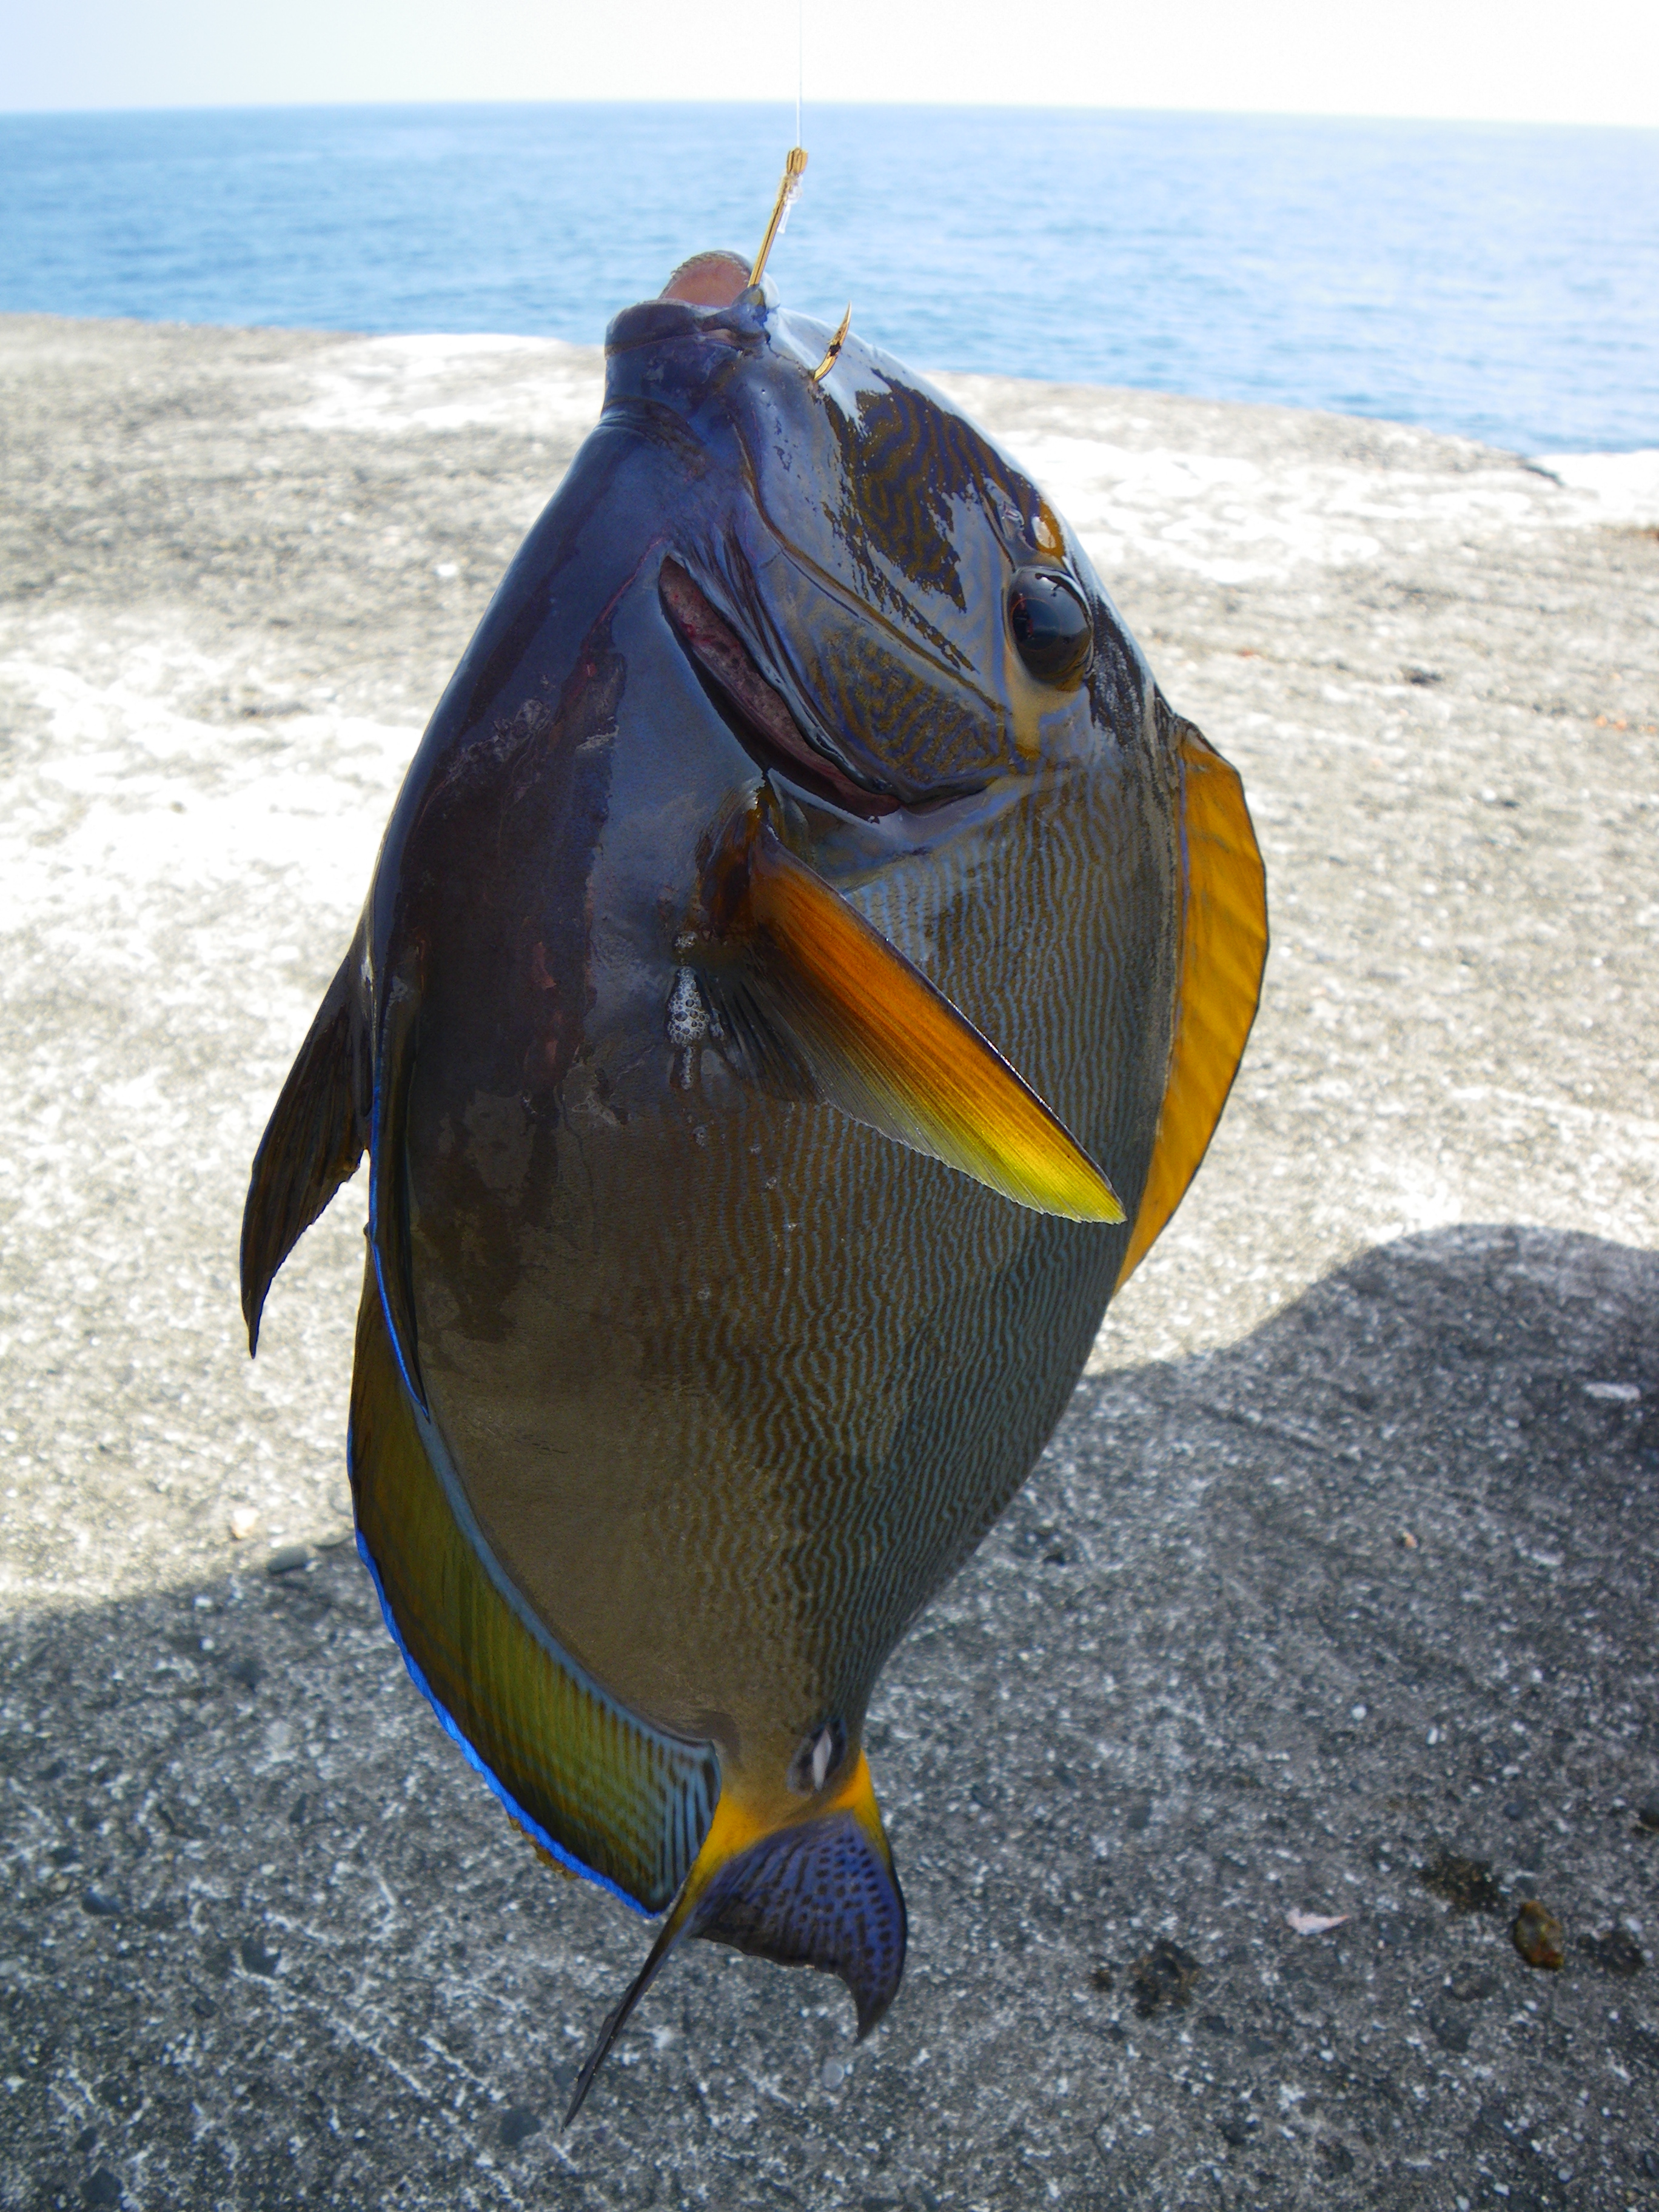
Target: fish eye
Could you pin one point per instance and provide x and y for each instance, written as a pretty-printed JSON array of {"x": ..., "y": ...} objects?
[{"x": 1053, "y": 631}]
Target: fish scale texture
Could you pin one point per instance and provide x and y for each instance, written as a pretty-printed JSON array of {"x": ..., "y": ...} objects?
[{"x": 970, "y": 1325}]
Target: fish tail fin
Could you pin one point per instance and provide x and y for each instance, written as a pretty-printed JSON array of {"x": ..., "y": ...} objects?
[
  {"x": 312, "y": 1142},
  {"x": 816, "y": 1892}
]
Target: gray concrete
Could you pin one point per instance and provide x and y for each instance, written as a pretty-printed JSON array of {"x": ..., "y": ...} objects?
[{"x": 1345, "y": 1558}]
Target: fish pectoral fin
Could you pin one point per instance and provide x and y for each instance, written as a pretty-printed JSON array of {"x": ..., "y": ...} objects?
[
  {"x": 1223, "y": 950},
  {"x": 816, "y": 1892},
  {"x": 311, "y": 1142},
  {"x": 818, "y": 1005}
]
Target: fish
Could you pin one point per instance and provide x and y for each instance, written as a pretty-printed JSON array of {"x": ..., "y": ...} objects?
[{"x": 806, "y": 962}]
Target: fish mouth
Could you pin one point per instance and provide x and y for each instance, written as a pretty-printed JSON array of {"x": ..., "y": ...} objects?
[{"x": 755, "y": 710}]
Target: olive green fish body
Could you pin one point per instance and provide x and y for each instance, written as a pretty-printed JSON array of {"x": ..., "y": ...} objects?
[
  {"x": 751, "y": 1368},
  {"x": 782, "y": 1013}
]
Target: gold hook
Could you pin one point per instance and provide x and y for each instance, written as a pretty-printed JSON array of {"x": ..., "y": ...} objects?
[
  {"x": 836, "y": 345},
  {"x": 788, "y": 191}
]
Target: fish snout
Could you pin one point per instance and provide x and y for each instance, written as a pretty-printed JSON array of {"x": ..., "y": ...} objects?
[{"x": 708, "y": 280}]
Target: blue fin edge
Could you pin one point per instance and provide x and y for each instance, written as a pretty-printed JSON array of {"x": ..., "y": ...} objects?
[{"x": 532, "y": 1827}]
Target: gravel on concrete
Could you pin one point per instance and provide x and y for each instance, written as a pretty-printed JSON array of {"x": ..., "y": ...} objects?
[{"x": 1342, "y": 1572}]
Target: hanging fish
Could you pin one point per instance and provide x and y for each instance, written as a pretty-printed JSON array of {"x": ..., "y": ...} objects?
[{"x": 804, "y": 967}]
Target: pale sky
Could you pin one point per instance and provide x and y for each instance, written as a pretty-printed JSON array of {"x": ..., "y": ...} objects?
[{"x": 1567, "y": 61}]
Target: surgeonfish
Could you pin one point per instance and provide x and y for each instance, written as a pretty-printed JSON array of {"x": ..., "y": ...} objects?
[{"x": 804, "y": 966}]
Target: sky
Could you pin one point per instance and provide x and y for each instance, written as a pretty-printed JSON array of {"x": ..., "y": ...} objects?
[{"x": 1559, "y": 61}]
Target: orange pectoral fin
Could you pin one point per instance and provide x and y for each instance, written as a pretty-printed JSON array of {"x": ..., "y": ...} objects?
[
  {"x": 1224, "y": 949},
  {"x": 819, "y": 996}
]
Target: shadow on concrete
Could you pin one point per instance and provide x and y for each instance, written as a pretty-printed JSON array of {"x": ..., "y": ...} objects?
[{"x": 1273, "y": 1629}]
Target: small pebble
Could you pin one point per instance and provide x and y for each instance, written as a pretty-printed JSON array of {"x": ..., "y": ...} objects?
[
  {"x": 290, "y": 1557},
  {"x": 243, "y": 1522},
  {"x": 1539, "y": 1936},
  {"x": 832, "y": 2073},
  {"x": 1648, "y": 1813}
]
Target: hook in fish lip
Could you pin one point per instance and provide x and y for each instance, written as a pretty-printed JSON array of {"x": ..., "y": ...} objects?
[
  {"x": 756, "y": 710},
  {"x": 836, "y": 345}
]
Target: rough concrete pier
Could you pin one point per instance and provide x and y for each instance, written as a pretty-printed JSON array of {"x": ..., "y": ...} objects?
[{"x": 1336, "y": 1598}]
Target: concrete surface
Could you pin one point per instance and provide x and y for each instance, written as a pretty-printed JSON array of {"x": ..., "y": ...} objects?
[{"x": 1344, "y": 1566}]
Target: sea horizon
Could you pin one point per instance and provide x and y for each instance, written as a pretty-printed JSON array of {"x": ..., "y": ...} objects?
[{"x": 1499, "y": 281}]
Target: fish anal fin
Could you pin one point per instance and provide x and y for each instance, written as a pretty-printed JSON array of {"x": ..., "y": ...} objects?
[
  {"x": 815, "y": 1890},
  {"x": 312, "y": 1141},
  {"x": 822, "y": 1006},
  {"x": 1224, "y": 949},
  {"x": 594, "y": 1788}
]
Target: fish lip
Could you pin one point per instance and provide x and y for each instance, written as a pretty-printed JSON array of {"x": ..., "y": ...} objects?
[
  {"x": 756, "y": 711},
  {"x": 658, "y": 322}
]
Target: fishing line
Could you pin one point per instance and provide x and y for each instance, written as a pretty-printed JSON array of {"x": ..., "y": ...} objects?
[{"x": 794, "y": 168}]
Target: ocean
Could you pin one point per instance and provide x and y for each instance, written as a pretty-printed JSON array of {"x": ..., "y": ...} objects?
[{"x": 1499, "y": 281}]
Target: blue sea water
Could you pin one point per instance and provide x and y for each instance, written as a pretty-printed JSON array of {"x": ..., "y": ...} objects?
[{"x": 1501, "y": 281}]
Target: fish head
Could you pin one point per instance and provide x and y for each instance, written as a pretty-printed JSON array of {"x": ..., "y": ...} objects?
[{"x": 886, "y": 609}]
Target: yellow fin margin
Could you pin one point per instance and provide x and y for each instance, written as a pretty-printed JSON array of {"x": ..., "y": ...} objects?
[{"x": 1223, "y": 950}]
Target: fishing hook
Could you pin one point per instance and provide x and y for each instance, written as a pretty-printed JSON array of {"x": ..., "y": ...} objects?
[
  {"x": 788, "y": 193},
  {"x": 836, "y": 345}
]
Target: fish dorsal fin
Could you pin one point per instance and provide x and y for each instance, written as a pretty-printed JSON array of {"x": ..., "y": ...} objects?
[
  {"x": 312, "y": 1141},
  {"x": 592, "y": 1785},
  {"x": 819, "y": 1891},
  {"x": 1224, "y": 949},
  {"x": 816, "y": 1004}
]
